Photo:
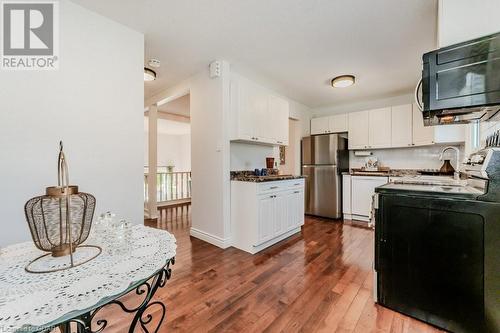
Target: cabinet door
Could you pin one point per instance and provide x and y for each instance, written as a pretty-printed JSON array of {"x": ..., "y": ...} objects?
[
  {"x": 249, "y": 110},
  {"x": 263, "y": 129},
  {"x": 267, "y": 216},
  {"x": 295, "y": 209},
  {"x": 402, "y": 131},
  {"x": 320, "y": 125},
  {"x": 380, "y": 124},
  {"x": 346, "y": 194},
  {"x": 278, "y": 119},
  {"x": 422, "y": 135},
  {"x": 363, "y": 189},
  {"x": 338, "y": 123},
  {"x": 281, "y": 214},
  {"x": 449, "y": 133},
  {"x": 358, "y": 130}
]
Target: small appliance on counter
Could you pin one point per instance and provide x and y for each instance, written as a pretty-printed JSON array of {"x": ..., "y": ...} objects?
[
  {"x": 324, "y": 158},
  {"x": 371, "y": 163},
  {"x": 436, "y": 248}
]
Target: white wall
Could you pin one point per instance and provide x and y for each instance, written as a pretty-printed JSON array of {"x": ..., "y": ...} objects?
[
  {"x": 247, "y": 156},
  {"x": 172, "y": 150},
  {"x": 426, "y": 157},
  {"x": 99, "y": 117},
  {"x": 461, "y": 20},
  {"x": 210, "y": 158}
]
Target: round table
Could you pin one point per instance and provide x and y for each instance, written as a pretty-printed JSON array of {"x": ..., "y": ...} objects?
[{"x": 134, "y": 259}]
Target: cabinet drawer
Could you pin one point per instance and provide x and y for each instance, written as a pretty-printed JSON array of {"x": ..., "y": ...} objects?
[
  {"x": 272, "y": 187},
  {"x": 296, "y": 183},
  {"x": 276, "y": 186}
]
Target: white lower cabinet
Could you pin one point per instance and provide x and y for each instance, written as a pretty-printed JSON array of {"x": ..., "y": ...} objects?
[
  {"x": 267, "y": 210},
  {"x": 362, "y": 190},
  {"x": 263, "y": 214},
  {"x": 346, "y": 197}
]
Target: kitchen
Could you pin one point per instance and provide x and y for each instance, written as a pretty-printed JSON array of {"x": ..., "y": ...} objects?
[
  {"x": 430, "y": 162},
  {"x": 345, "y": 167}
]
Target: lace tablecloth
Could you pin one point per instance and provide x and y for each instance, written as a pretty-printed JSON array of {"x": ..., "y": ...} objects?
[{"x": 128, "y": 256}]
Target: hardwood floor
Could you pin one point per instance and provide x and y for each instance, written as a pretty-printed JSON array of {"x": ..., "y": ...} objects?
[{"x": 317, "y": 281}]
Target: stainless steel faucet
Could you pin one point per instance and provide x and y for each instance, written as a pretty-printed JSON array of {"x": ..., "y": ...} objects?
[{"x": 456, "y": 175}]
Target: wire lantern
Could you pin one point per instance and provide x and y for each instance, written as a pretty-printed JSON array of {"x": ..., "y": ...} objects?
[{"x": 60, "y": 221}]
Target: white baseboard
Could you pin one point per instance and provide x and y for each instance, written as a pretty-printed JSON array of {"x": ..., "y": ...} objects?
[
  {"x": 275, "y": 240},
  {"x": 223, "y": 243},
  {"x": 360, "y": 218},
  {"x": 347, "y": 216}
]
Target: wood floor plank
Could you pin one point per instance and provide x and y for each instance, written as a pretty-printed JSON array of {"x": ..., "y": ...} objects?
[{"x": 317, "y": 281}]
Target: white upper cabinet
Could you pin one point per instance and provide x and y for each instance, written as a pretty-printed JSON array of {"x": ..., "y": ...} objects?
[
  {"x": 390, "y": 127},
  {"x": 379, "y": 131},
  {"x": 449, "y": 133},
  {"x": 279, "y": 109},
  {"x": 256, "y": 114},
  {"x": 428, "y": 135},
  {"x": 320, "y": 125},
  {"x": 358, "y": 130},
  {"x": 402, "y": 120},
  {"x": 338, "y": 123},
  {"x": 331, "y": 124},
  {"x": 422, "y": 135}
]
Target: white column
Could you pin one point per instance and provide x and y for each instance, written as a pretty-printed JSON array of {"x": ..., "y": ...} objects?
[{"x": 152, "y": 161}]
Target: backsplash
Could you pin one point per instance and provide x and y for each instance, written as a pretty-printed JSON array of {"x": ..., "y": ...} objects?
[
  {"x": 245, "y": 156},
  {"x": 426, "y": 157}
]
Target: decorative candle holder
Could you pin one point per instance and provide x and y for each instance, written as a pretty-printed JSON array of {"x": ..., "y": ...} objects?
[{"x": 60, "y": 222}]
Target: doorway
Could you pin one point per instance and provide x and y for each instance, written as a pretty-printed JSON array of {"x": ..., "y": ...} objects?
[
  {"x": 290, "y": 155},
  {"x": 173, "y": 162}
]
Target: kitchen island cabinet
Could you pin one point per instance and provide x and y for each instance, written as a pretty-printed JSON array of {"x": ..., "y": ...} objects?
[{"x": 263, "y": 214}]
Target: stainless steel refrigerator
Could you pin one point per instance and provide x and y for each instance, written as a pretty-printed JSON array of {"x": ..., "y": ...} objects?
[{"x": 324, "y": 158}]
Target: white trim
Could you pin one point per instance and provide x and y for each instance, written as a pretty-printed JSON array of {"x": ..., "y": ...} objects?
[
  {"x": 360, "y": 218},
  {"x": 223, "y": 243},
  {"x": 260, "y": 247},
  {"x": 347, "y": 216}
]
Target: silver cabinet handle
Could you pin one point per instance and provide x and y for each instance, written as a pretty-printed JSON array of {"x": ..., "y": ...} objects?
[
  {"x": 296, "y": 184},
  {"x": 273, "y": 187},
  {"x": 296, "y": 192}
]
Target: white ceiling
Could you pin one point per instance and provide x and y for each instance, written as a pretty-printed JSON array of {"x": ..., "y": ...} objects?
[
  {"x": 170, "y": 127},
  {"x": 297, "y": 44}
]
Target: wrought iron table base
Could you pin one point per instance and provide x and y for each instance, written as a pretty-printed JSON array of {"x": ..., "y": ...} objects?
[{"x": 148, "y": 288}]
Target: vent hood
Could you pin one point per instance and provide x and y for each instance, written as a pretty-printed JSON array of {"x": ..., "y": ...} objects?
[{"x": 461, "y": 83}]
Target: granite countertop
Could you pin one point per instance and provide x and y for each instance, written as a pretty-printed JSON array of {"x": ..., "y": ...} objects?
[
  {"x": 261, "y": 179},
  {"x": 392, "y": 172},
  {"x": 249, "y": 176}
]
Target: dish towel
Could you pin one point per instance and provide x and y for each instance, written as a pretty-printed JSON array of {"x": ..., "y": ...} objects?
[{"x": 371, "y": 217}]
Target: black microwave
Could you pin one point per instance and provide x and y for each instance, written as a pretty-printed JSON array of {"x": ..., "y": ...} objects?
[{"x": 461, "y": 83}]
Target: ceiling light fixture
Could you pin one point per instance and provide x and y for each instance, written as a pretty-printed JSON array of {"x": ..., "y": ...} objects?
[
  {"x": 343, "y": 81},
  {"x": 149, "y": 74}
]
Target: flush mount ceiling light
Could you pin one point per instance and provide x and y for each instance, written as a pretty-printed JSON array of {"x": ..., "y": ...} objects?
[
  {"x": 343, "y": 81},
  {"x": 149, "y": 74}
]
